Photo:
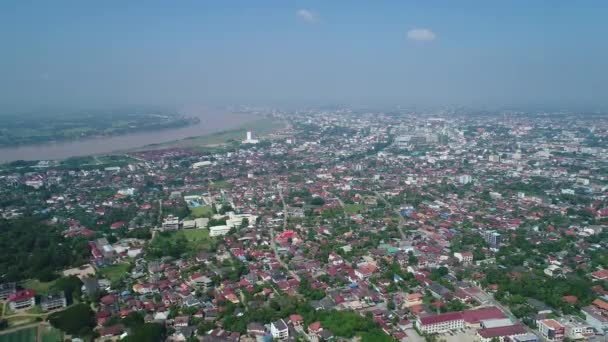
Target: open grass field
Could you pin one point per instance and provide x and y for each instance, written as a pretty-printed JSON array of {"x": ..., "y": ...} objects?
[
  {"x": 353, "y": 208},
  {"x": 23, "y": 335},
  {"x": 50, "y": 334},
  {"x": 195, "y": 237},
  {"x": 204, "y": 211},
  {"x": 186, "y": 241},
  {"x": 40, "y": 287},
  {"x": 114, "y": 272}
]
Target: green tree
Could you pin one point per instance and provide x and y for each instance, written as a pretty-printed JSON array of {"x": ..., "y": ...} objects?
[
  {"x": 147, "y": 332},
  {"x": 77, "y": 320}
]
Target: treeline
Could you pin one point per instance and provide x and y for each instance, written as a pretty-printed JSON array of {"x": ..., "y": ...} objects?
[
  {"x": 32, "y": 249},
  {"x": 515, "y": 290},
  {"x": 341, "y": 323}
]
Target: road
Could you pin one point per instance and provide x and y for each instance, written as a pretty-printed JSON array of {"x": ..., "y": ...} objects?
[
  {"x": 396, "y": 210},
  {"x": 272, "y": 236}
]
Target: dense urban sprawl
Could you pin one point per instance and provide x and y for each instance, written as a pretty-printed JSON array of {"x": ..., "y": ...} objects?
[{"x": 343, "y": 225}]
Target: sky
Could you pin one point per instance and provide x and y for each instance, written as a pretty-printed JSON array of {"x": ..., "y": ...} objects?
[{"x": 173, "y": 53}]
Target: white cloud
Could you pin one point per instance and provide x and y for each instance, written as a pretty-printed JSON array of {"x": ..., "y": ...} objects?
[
  {"x": 307, "y": 15},
  {"x": 421, "y": 34}
]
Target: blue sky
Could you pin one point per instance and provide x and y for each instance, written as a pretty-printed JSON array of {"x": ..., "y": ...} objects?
[{"x": 487, "y": 52}]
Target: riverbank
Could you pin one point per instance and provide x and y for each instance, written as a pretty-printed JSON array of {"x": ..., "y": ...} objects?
[
  {"x": 214, "y": 124},
  {"x": 261, "y": 127}
]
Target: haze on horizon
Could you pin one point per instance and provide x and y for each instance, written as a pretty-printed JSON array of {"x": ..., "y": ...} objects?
[{"x": 113, "y": 53}]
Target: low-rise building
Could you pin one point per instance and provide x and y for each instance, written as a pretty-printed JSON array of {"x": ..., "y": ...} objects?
[
  {"x": 551, "y": 330},
  {"x": 596, "y": 315},
  {"x": 464, "y": 257},
  {"x": 171, "y": 223},
  {"x": 442, "y": 323},
  {"x": 218, "y": 230},
  {"x": 6, "y": 290},
  {"x": 509, "y": 331},
  {"x": 53, "y": 301},
  {"x": 22, "y": 299},
  {"x": 279, "y": 330}
]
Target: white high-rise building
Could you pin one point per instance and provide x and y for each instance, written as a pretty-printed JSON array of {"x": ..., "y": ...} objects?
[{"x": 249, "y": 139}]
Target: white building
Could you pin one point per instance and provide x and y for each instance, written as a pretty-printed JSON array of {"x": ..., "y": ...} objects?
[
  {"x": 23, "y": 299},
  {"x": 440, "y": 323},
  {"x": 171, "y": 223},
  {"x": 279, "y": 330},
  {"x": 188, "y": 224},
  {"x": 235, "y": 220},
  {"x": 53, "y": 301},
  {"x": 218, "y": 230},
  {"x": 250, "y": 139},
  {"x": 201, "y": 164},
  {"x": 464, "y": 257},
  {"x": 465, "y": 179}
]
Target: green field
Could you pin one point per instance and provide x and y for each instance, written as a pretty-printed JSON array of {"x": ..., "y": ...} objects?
[
  {"x": 195, "y": 237},
  {"x": 23, "y": 335},
  {"x": 40, "y": 287},
  {"x": 353, "y": 208},
  {"x": 176, "y": 243},
  {"x": 114, "y": 272},
  {"x": 50, "y": 334},
  {"x": 204, "y": 211}
]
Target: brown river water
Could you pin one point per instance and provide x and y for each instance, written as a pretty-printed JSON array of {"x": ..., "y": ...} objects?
[{"x": 209, "y": 123}]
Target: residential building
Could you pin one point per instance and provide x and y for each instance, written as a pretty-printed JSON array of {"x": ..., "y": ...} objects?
[
  {"x": 6, "y": 289},
  {"x": 464, "y": 257},
  {"x": 492, "y": 237},
  {"x": 279, "y": 330},
  {"x": 596, "y": 315},
  {"x": 22, "y": 299},
  {"x": 53, "y": 301},
  {"x": 551, "y": 330}
]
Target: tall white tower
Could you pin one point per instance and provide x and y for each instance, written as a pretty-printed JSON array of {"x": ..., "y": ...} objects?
[{"x": 250, "y": 139}]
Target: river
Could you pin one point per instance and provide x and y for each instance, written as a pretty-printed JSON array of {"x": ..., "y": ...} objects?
[{"x": 209, "y": 123}]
